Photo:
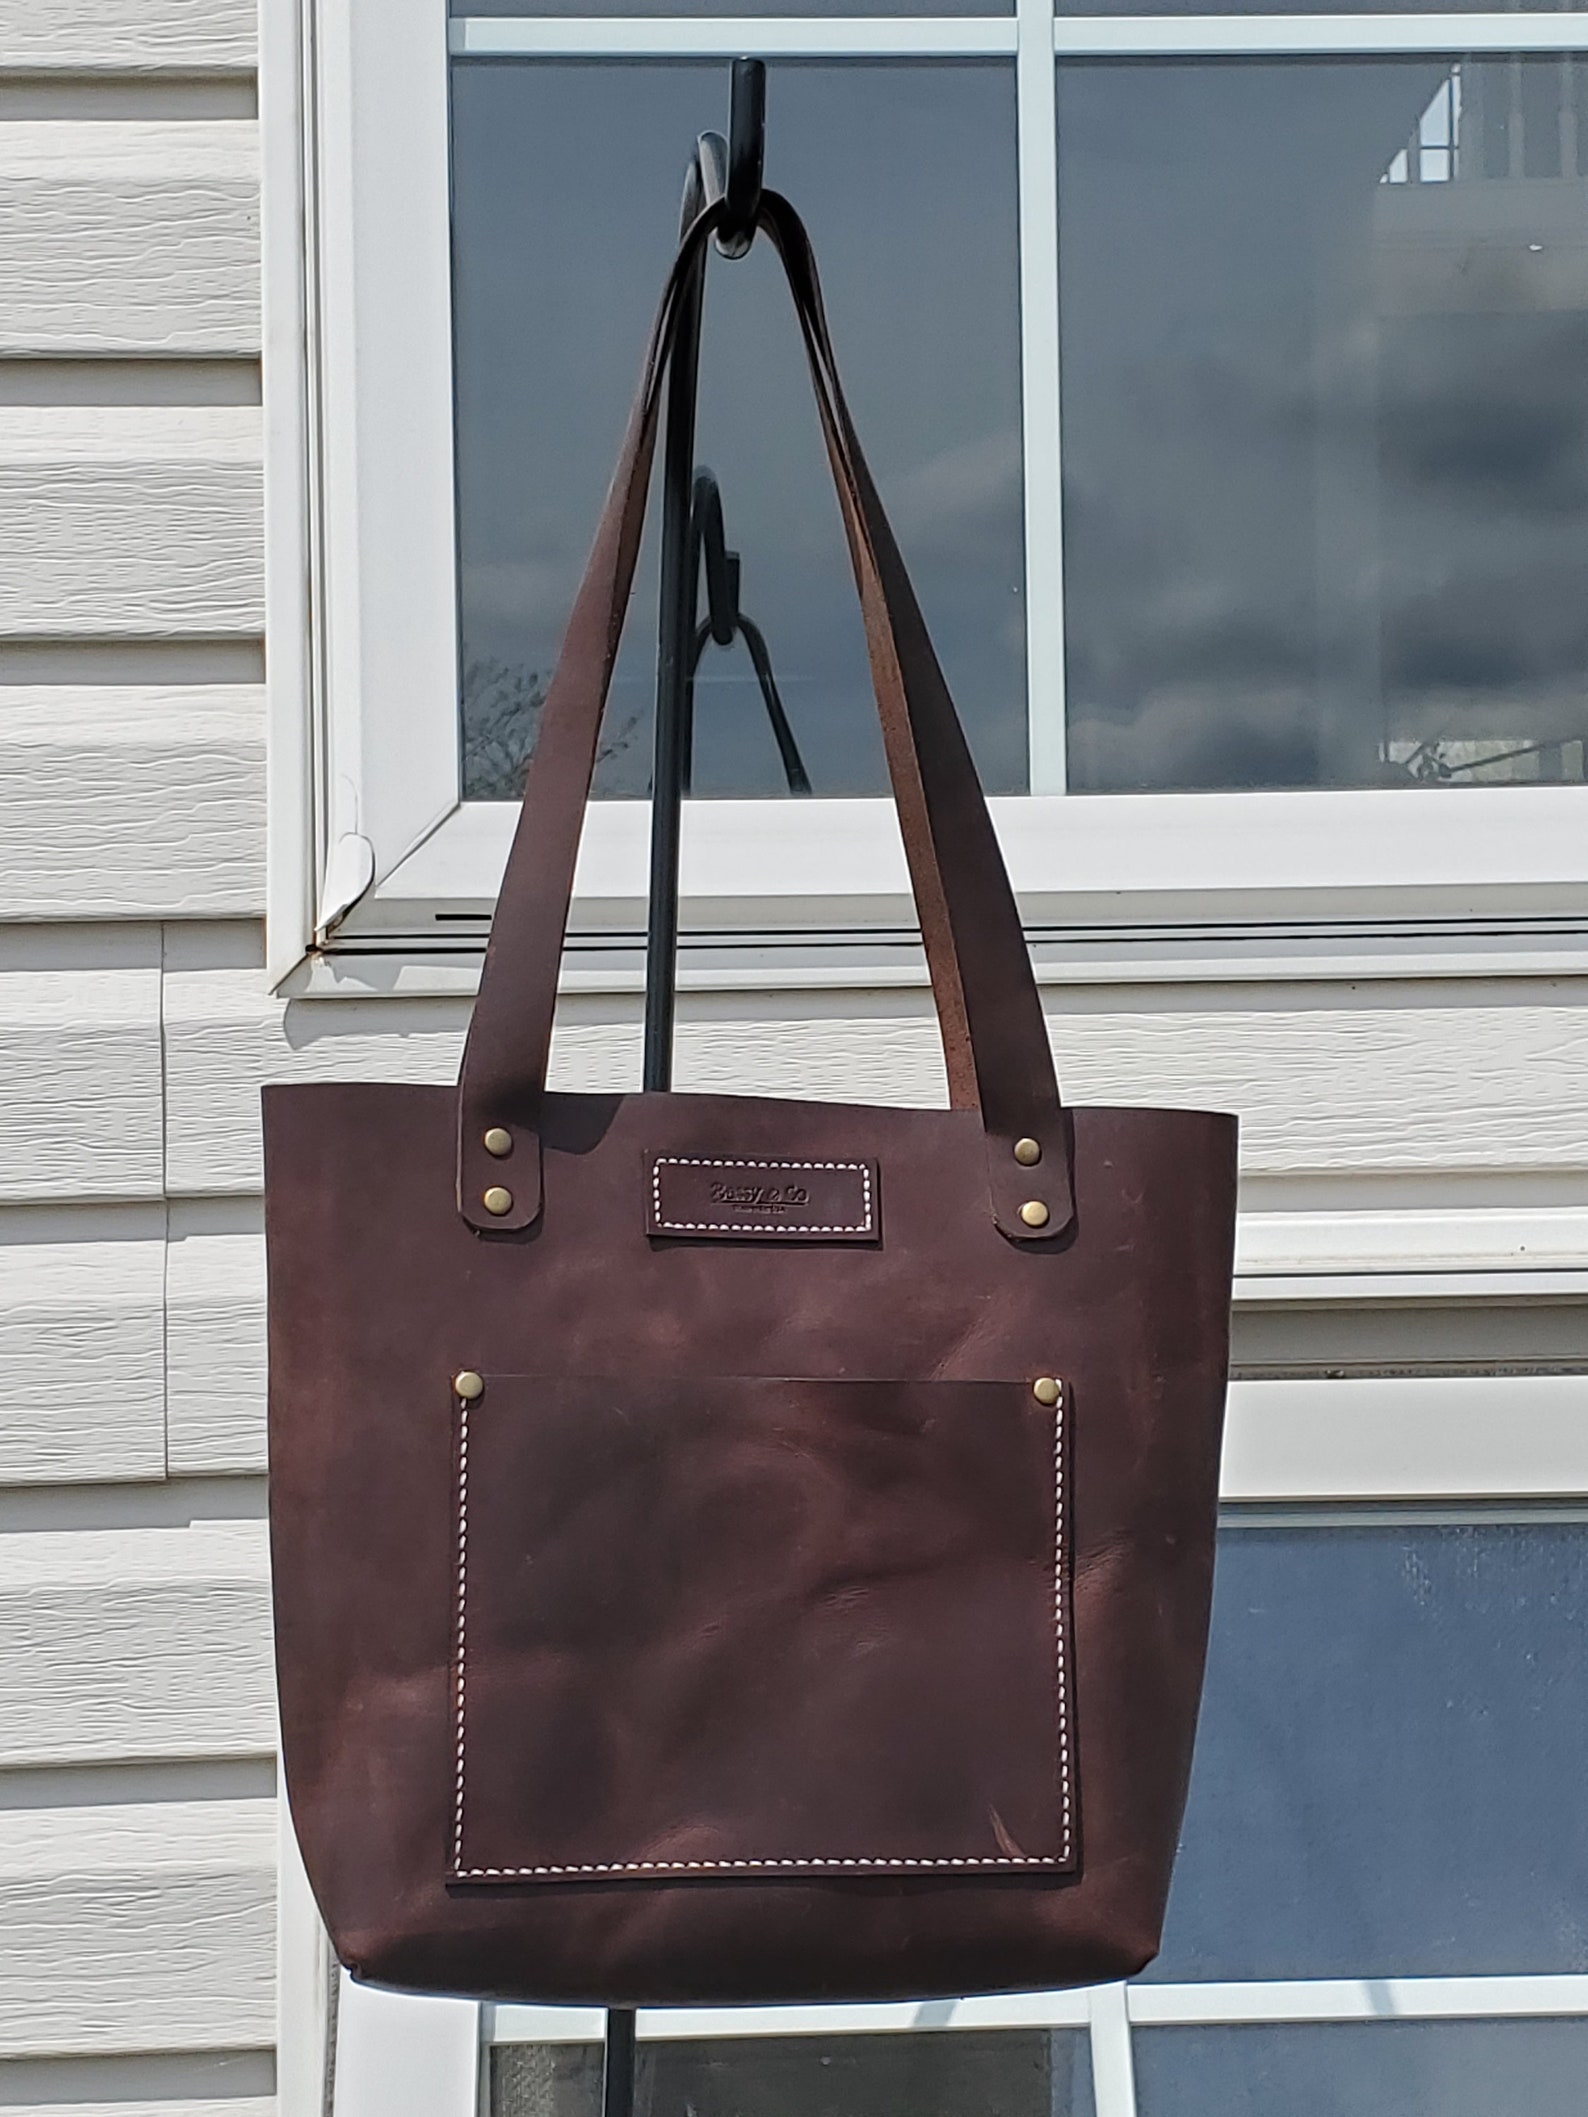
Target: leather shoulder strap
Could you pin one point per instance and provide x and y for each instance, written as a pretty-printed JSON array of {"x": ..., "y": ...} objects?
[{"x": 994, "y": 1037}]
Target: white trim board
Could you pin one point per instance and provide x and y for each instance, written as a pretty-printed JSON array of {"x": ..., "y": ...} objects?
[
  {"x": 1299, "y": 2000},
  {"x": 950, "y": 36},
  {"x": 397, "y": 2053},
  {"x": 680, "y": 2024},
  {"x": 1312, "y": 36},
  {"x": 1409, "y": 1437},
  {"x": 733, "y": 36},
  {"x": 1359, "y": 1999},
  {"x": 1108, "y": 859}
]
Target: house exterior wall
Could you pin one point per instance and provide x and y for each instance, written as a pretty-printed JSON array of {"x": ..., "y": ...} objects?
[
  {"x": 1415, "y": 1129},
  {"x": 137, "y": 1811}
]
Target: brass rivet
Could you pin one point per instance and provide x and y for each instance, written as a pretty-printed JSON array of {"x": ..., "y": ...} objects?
[
  {"x": 498, "y": 1141},
  {"x": 496, "y": 1200},
  {"x": 1034, "y": 1213},
  {"x": 1028, "y": 1153},
  {"x": 469, "y": 1385},
  {"x": 1044, "y": 1389}
]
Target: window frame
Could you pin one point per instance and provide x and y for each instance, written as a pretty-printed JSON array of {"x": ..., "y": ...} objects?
[{"x": 377, "y": 848}]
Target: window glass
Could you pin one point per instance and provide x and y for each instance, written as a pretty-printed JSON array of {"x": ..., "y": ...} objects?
[
  {"x": 1413, "y": 2069},
  {"x": 1389, "y": 1765},
  {"x": 1325, "y": 333},
  {"x": 566, "y": 193},
  {"x": 996, "y": 2073}
]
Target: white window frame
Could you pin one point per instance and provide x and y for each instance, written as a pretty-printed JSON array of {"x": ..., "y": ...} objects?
[{"x": 367, "y": 810}]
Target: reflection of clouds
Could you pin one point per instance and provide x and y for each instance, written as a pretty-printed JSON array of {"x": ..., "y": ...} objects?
[
  {"x": 1262, "y": 566},
  {"x": 1200, "y": 735},
  {"x": 956, "y": 488},
  {"x": 1492, "y": 628},
  {"x": 1489, "y": 411},
  {"x": 518, "y": 592}
]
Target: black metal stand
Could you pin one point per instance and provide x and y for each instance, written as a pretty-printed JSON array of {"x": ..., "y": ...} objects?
[
  {"x": 693, "y": 541},
  {"x": 617, "y": 2064}
]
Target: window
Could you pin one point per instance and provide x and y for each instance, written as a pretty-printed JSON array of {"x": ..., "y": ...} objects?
[{"x": 1222, "y": 373}]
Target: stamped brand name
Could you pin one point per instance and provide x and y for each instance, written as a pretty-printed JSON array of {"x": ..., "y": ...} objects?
[
  {"x": 705, "y": 1198},
  {"x": 760, "y": 1197}
]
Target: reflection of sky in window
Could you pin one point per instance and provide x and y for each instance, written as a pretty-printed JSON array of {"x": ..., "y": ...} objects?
[
  {"x": 995, "y": 2073},
  {"x": 1326, "y": 441},
  {"x": 567, "y": 180},
  {"x": 1388, "y": 2069},
  {"x": 1389, "y": 1769}
]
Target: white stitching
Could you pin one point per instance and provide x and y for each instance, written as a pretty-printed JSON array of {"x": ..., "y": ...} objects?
[
  {"x": 717, "y": 1866},
  {"x": 1058, "y": 1859},
  {"x": 463, "y": 1613},
  {"x": 1060, "y": 1676},
  {"x": 736, "y": 1227}
]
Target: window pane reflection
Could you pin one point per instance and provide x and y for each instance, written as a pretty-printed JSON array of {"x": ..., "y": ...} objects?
[
  {"x": 566, "y": 189},
  {"x": 1389, "y": 1765},
  {"x": 996, "y": 2073},
  {"x": 1413, "y": 2069},
  {"x": 1325, "y": 362}
]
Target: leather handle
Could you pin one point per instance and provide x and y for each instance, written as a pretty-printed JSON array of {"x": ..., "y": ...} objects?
[{"x": 994, "y": 1036}]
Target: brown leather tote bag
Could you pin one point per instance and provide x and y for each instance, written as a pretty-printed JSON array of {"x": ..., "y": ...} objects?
[{"x": 731, "y": 1549}]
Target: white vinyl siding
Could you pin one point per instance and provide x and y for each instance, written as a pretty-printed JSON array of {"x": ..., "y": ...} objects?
[{"x": 138, "y": 1819}]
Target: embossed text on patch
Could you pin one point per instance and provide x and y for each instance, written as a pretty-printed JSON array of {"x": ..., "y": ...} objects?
[{"x": 788, "y": 1201}]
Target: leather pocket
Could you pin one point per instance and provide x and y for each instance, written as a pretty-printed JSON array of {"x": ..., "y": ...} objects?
[{"x": 748, "y": 1627}]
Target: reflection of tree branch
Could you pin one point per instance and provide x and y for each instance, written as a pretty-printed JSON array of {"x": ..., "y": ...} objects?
[{"x": 502, "y": 704}]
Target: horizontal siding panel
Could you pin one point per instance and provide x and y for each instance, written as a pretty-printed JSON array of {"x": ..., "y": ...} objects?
[
  {"x": 1356, "y": 1087},
  {"x": 80, "y": 1078},
  {"x": 1377, "y": 1088},
  {"x": 129, "y": 238},
  {"x": 215, "y": 1353},
  {"x": 146, "y": 1926},
  {"x": 137, "y": 521},
  {"x": 1413, "y": 1086},
  {"x": 189, "y": 2106},
  {"x": 159, "y": 36},
  {"x": 1380, "y": 1088},
  {"x": 132, "y": 801},
  {"x": 226, "y": 1036},
  {"x": 82, "y": 1350},
  {"x": 124, "y": 1645}
]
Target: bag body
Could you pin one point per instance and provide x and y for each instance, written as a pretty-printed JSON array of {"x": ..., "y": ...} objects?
[{"x": 733, "y": 1549}]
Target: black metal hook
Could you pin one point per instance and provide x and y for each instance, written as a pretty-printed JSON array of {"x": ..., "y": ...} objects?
[
  {"x": 731, "y": 169},
  {"x": 746, "y": 157}
]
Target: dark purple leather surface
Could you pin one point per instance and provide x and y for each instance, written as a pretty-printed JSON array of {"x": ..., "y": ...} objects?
[
  {"x": 750, "y": 1627},
  {"x": 379, "y": 1293}
]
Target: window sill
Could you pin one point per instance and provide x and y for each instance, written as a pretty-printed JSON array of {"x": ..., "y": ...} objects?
[{"x": 1181, "y": 863}]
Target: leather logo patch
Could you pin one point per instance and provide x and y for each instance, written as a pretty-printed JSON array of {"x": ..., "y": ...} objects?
[{"x": 783, "y": 1201}]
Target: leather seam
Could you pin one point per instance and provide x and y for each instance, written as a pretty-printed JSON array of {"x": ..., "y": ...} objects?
[
  {"x": 463, "y": 1632},
  {"x": 737, "y": 1227},
  {"x": 1062, "y": 1858}
]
